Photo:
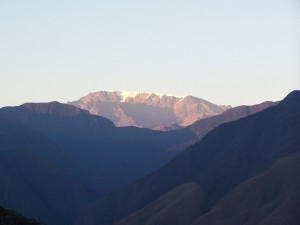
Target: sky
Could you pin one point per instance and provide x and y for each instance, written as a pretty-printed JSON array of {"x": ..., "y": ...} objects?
[{"x": 231, "y": 52}]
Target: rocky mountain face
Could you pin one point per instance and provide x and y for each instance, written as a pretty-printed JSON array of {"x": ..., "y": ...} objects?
[
  {"x": 243, "y": 172},
  {"x": 148, "y": 110}
]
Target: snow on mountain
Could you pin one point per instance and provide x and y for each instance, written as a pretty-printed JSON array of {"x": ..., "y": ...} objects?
[{"x": 144, "y": 109}]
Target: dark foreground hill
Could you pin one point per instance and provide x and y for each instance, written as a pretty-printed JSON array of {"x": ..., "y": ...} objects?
[
  {"x": 242, "y": 172},
  {"x": 9, "y": 217}
]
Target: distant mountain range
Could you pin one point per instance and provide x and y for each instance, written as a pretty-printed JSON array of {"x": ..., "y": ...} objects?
[
  {"x": 244, "y": 172},
  {"x": 65, "y": 166},
  {"x": 148, "y": 110}
]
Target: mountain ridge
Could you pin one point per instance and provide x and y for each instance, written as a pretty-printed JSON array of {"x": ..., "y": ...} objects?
[
  {"x": 75, "y": 127},
  {"x": 54, "y": 108},
  {"x": 148, "y": 110},
  {"x": 202, "y": 127}
]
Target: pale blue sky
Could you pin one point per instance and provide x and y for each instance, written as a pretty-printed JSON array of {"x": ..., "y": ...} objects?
[{"x": 226, "y": 51}]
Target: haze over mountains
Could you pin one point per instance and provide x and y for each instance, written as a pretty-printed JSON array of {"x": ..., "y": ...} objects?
[
  {"x": 64, "y": 166},
  {"x": 148, "y": 110}
]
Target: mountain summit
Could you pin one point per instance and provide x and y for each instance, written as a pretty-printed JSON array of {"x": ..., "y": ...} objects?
[{"x": 149, "y": 110}]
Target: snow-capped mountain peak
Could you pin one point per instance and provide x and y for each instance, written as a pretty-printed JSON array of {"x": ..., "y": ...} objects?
[{"x": 146, "y": 109}]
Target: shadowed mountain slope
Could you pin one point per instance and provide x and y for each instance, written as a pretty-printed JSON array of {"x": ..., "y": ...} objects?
[
  {"x": 271, "y": 198},
  {"x": 32, "y": 181},
  {"x": 55, "y": 158},
  {"x": 261, "y": 200},
  {"x": 91, "y": 147},
  {"x": 225, "y": 158}
]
